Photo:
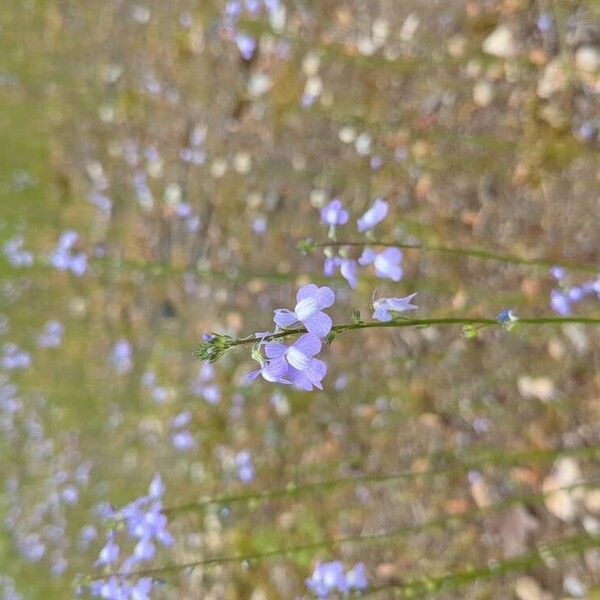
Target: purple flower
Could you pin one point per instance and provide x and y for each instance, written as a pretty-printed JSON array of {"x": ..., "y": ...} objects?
[
  {"x": 560, "y": 302},
  {"x": 52, "y": 334},
  {"x": 347, "y": 267},
  {"x": 109, "y": 553},
  {"x": 386, "y": 263},
  {"x": 326, "y": 578},
  {"x": 183, "y": 440},
  {"x": 121, "y": 356},
  {"x": 377, "y": 213},
  {"x": 330, "y": 577},
  {"x": 383, "y": 306},
  {"x": 334, "y": 213},
  {"x": 356, "y": 578},
  {"x": 311, "y": 300},
  {"x": 245, "y": 467},
  {"x": 246, "y": 45},
  {"x": 348, "y": 270},
  {"x": 293, "y": 364},
  {"x": 181, "y": 420}
]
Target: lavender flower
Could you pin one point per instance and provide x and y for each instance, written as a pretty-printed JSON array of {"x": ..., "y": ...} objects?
[
  {"x": 121, "y": 356},
  {"x": 245, "y": 467},
  {"x": 326, "y": 578},
  {"x": 347, "y": 266},
  {"x": 334, "y": 213},
  {"x": 146, "y": 523},
  {"x": 183, "y": 440},
  {"x": 65, "y": 259},
  {"x": 311, "y": 300},
  {"x": 51, "y": 336},
  {"x": 293, "y": 364},
  {"x": 15, "y": 254},
  {"x": 246, "y": 45},
  {"x": 13, "y": 357},
  {"x": 330, "y": 577},
  {"x": 356, "y": 578},
  {"x": 386, "y": 263},
  {"x": 377, "y": 213},
  {"x": 384, "y": 306}
]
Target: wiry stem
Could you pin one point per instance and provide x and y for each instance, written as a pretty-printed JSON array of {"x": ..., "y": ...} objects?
[
  {"x": 440, "y": 466},
  {"x": 471, "y": 252},
  {"x": 426, "y": 586},
  {"x": 437, "y": 523},
  {"x": 215, "y": 347}
]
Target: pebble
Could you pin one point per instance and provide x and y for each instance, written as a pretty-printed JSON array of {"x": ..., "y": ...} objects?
[
  {"x": 587, "y": 58},
  {"x": 501, "y": 43}
]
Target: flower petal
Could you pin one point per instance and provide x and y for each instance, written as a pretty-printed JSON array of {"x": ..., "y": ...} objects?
[
  {"x": 325, "y": 297},
  {"x": 275, "y": 371},
  {"x": 348, "y": 272},
  {"x": 308, "y": 344},
  {"x": 319, "y": 324},
  {"x": 393, "y": 255},
  {"x": 297, "y": 358},
  {"x": 377, "y": 213},
  {"x": 284, "y": 317},
  {"x": 306, "y": 291},
  {"x": 275, "y": 349},
  {"x": 250, "y": 377},
  {"x": 367, "y": 257},
  {"x": 306, "y": 308}
]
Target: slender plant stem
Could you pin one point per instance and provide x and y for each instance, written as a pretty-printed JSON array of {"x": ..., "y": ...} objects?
[
  {"x": 439, "y": 467},
  {"x": 472, "y": 252},
  {"x": 425, "y": 586},
  {"x": 437, "y": 523},
  {"x": 418, "y": 323}
]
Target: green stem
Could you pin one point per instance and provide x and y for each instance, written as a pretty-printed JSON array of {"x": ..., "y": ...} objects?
[
  {"x": 484, "y": 322},
  {"x": 439, "y": 467},
  {"x": 425, "y": 586},
  {"x": 437, "y": 523},
  {"x": 472, "y": 252}
]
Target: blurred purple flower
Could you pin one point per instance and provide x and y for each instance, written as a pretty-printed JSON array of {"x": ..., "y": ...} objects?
[
  {"x": 377, "y": 213},
  {"x": 330, "y": 577},
  {"x": 121, "y": 356},
  {"x": 386, "y": 263},
  {"x": 52, "y": 334},
  {"x": 245, "y": 467},
  {"x": 334, "y": 213},
  {"x": 246, "y": 45}
]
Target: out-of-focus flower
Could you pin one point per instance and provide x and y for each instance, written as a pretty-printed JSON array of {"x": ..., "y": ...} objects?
[
  {"x": 334, "y": 213},
  {"x": 377, "y": 213},
  {"x": 386, "y": 263}
]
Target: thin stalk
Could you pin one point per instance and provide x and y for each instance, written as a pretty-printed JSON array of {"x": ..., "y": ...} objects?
[
  {"x": 437, "y": 523},
  {"x": 395, "y": 323},
  {"x": 425, "y": 586},
  {"x": 498, "y": 457},
  {"x": 472, "y": 252}
]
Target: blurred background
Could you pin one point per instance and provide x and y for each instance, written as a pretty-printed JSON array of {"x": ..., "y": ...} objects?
[{"x": 160, "y": 162}]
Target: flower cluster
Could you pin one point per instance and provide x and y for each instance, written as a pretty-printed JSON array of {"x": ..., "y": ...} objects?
[
  {"x": 146, "y": 524},
  {"x": 387, "y": 263},
  {"x": 563, "y": 297},
  {"x": 330, "y": 577},
  {"x": 65, "y": 258},
  {"x": 296, "y": 364}
]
